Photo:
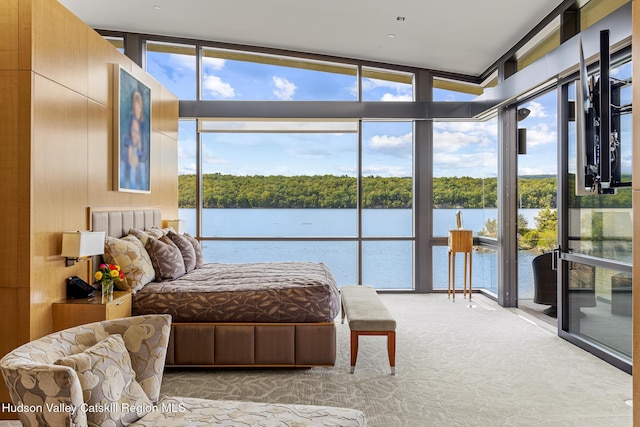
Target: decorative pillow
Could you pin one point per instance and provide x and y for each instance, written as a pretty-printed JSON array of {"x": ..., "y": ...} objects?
[
  {"x": 186, "y": 248},
  {"x": 133, "y": 260},
  {"x": 109, "y": 381},
  {"x": 158, "y": 232},
  {"x": 166, "y": 258},
  {"x": 196, "y": 245},
  {"x": 141, "y": 235}
]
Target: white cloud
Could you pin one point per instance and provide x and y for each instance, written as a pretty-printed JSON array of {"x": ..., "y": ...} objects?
[
  {"x": 311, "y": 152},
  {"x": 537, "y": 110},
  {"x": 458, "y": 148},
  {"x": 211, "y": 162},
  {"x": 451, "y": 142},
  {"x": 212, "y": 64},
  {"x": 369, "y": 84},
  {"x": 386, "y": 171},
  {"x": 284, "y": 89},
  {"x": 398, "y": 91},
  {"x": 391, "y": 97},
  {"x": 473, "y": 164},
  {"x": 183, "y": 61},
  {"x": 488, "y": 129},
  {"x": 187, "y": 169},
  {"x": 450, "y": 137},
  {"x": 187, "y": 164},
  {"x": 182, "y": 154},
  {"x": 217, "y": 88},
  {"x": 626, "y": 163},
  {"x": 542, "y": 169},
  {"x": 378, "y": 170},
  {"x": 399, "y": 146},
  {"x": 541, "y": 135},
  {"x": 209, "y": 159}
]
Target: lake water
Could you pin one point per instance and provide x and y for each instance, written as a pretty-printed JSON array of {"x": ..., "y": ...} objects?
[{"x": 385, "y": 264}]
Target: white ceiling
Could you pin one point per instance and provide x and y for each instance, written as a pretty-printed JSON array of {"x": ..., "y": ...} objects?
[{"x": 461, "y": 36}]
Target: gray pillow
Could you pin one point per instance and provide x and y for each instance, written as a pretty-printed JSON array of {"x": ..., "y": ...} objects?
[
  {"x": 166, "y": 258},
  {"x": 186, "y": 248},
  {"x": 196, "y": 245}
]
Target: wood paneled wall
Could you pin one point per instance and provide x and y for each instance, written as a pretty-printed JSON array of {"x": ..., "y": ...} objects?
[{"x": 56, "y": 109}]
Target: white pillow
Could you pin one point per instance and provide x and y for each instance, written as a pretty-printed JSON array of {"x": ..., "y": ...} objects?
[
  {"x": 133, "y": 259},
  {"x": 109, "y": 386}
]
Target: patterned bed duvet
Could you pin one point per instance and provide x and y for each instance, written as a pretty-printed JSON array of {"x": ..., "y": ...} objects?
[{"x": 253, "y": 292}]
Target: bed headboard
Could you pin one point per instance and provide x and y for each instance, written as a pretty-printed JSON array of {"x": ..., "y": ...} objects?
[{"x": 117, "y": 223}]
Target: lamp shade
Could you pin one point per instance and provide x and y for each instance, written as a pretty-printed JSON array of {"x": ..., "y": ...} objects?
[
  {"x": 176, "y": 224},
  {"x": 78, "y": 244}
]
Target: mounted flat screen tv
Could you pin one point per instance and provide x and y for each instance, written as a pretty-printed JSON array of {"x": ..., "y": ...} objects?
[{"x": 598, "y": 111}]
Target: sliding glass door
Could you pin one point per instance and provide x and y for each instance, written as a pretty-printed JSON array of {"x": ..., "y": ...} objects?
[{"x": 596, "y": 230}]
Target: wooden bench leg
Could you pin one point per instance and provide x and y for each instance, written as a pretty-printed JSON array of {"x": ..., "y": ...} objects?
[
  {"x": 354, "y": 350},
  {"x": 391, "y": 349},
  {"x": 470, "y": 274},
  {"x": 448, "y": 274}
]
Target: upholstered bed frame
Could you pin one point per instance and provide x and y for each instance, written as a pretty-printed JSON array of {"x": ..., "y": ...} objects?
[{"x": 227, "y": 344}]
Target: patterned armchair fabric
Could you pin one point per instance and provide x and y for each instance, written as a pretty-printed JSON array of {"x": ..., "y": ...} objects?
[{"x": 35, "y": 382}]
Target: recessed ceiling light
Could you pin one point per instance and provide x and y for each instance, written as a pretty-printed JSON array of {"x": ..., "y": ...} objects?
[
  {"x": 156, "y": 7},
  {"x": 391, "y": 35}
]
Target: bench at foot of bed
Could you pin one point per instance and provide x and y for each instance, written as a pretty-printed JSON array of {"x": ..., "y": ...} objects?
[{"x": 368, "y": 315}]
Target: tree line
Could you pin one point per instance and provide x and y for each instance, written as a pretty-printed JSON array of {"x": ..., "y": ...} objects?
[{"x": 331, "y": 191}]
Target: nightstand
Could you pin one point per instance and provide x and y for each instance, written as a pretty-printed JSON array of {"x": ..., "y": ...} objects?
[
  {"x": 459, "y": 241},
  {"x": 73, "y": 312}
]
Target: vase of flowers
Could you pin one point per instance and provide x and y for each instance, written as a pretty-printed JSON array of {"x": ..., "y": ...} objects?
[{"x": 105, "y": 276}]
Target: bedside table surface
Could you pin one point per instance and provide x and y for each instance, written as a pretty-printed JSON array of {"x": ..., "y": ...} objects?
[
  {"x": 73, "y": 312},
  {"x": 96, "y": 299}
]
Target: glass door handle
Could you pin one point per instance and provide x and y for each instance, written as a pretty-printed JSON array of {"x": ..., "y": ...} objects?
[{"x": 554, "y": 259}]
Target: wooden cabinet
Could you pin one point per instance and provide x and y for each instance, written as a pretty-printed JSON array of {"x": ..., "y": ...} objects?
[
  {"x": 73, "y": 312},
  {"x": 459, "y": 241}
]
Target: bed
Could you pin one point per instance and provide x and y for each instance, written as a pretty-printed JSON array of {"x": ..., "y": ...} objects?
[{"x": 234, "y": 315}]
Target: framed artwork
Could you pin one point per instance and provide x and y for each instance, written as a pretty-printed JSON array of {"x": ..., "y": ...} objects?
[{"x": 132, "y": 127}]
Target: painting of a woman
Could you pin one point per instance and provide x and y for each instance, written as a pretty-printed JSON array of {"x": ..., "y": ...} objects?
[{"x": 134, "y": 131}]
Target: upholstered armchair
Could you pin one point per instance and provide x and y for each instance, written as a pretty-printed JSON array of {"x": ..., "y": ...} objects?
[
  {"x": 110, "y": 372},
  {"x": 36, "y": 381}
]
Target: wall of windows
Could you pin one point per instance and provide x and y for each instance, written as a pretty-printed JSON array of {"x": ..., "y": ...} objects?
[
  {"x": 319, "y": 189},
  {"x": 292, "y": 193},
  {"x": 465, "y": 170},
  {"x": 338, "y": 192},
  {"x": 233, "y": 75},
  {"x": 465, "y": 179}
]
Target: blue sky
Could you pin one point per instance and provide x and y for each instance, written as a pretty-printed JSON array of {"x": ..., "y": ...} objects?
[{"x": 460, "y": 148}]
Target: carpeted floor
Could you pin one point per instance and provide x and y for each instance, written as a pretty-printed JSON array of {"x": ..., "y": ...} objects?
[{"x": 456, "y": 366}]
